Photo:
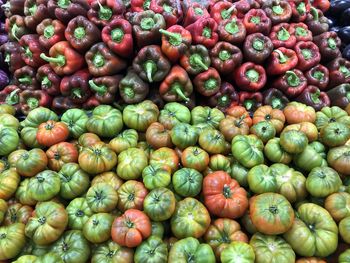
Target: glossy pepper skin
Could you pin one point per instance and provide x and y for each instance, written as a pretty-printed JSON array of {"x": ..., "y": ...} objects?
[
  {"x": 281, "y": 60},
  {"x": 63, "y": 59},
  {"x": 196, "y": 59},
  {"x": 150, "y": 64},
  {"x": 292, "y": 83},
  {"x": 308, "y": 55},
  {"x": 10, "y": 95},
  {"x": 61, "y": 104},
  {"x": 222, "y": 11},
  {"x": 226, "y": 96},
  {"x": 340, "y": 95},
  {"x": 256, "y": 21},
  {"x": 323, "y": 5},
  {"x": 139, "y": 5},
  {"x": 316, "y": 21},
  {"x": 25, "y": 78},
  {"x": 232, "y": 31},
  {"x": 250, "y": 77},
  {"x": 91, "y": 103},
  {"x": 177, "y": 86},
  {"x": 318, "y": 76},
  {"x": 81, "y": 33},
  {"x": 301, "y": 32},
  {"x": 105, "y": 88},
  {"x": 257, "y": 48},
  {"x": 12, "y": 55},
  {"x": 278, "y": 11},
  {"x": 300, "y": 9},
  {"x": 225, "y": 57},
  {"x": 275, "y": 98},
  {"x": 207, "y": 83},
  {"x": 16, "y": 27},
  {"x": 13, "y": 7},
  {"x": 194, "y": 12},
  {"x": 50, "y": 32},
  {"x": 66, "y": 10},
  {"x": 339, "y": 72},
  {"x": 312, "y": 96},
  {"x": 31, "y": 50},
  {"x": 175, "y": 42},
  {"x": 170, "y": 9},
  {"x": 102, "y": 62},
  {"x": 35, "y": 11},
  {"x": 48, "y": 80},
  {"x": 117, "y": 35},
  {"x": 250, "y": 100},
  {"x": 283, "y": 35},
  {"x": 104, "y": 11},
  {"x": 31, "y": 99},
  {"x": 204, "y": 32},
  {"x": 329, "y": 44},
  {"x": 132, "y": 88},
  {"x": 76, "y": 86}
]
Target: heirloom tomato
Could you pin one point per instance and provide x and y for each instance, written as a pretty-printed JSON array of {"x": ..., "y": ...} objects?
[
  {"x": 344, "y": 257},
  {"x": 9, "y": 140},
  {"x": 131, "y": 163},
  {"x": 156, "y": 175},
  {"x": 124, "y": 140},
  {"x": 248, "y": 150},
  {"x": 275, "y": 153},
  {"x": 269, "y": 114},
  {"x": 184, "y": 135},
  {"x": 323, "y": 181},
  {"x": 9, "y": 181},
  {"x": 231, "y": 126},
  {"x": 102, "y": 197},
  {"x": 159, "y": 204},
  {"x": 12, "y": 240},
  {"x": 45, "y": 185},
  {"x": 237, "y": 251},
  {"x": 212, "y": 141},
  {"x": 296, "y": 112},
  {"x": 165, "y": 156},
  {"x": 76, "y": 120},
  {"x": 187, "y": 182},
  {"x": 87, "y": 139},
  {"x": 110, "y": 178},
  {"x": 8, "y": 121},
  {"x": 338, "y": 205},
  {"x": 344, "y": 229},
  {"x": 110, "y": 252},
  {"x": 174, "y": 113},
  {"x": 97, "y": 228},
  {"x": 3, "y": 209},
  {"x": 308, "y": 159},
  {"x": 131, "y": 195},
  {"x": 195, "y": 158},
  {"x": 331, "y": 114},
  {"x": 29, "y": 163},
  {"x": 153, "y": 250},
  {"x": 339, "y": 159},
  {"x": 52, "y": 132},
  {"x": 157, "y": 136},
  {"x": 264, "y": 130},
  {"x": 23, "y": 195},
  {"x": 17, "y": 213},
  {"x": 206, "y": 115},
  {"x": 335, "y": 134},
  {"x": 78, "y": 212},
  {"x": 60, "y": 154},
  {"x": 308, "y": 128}
]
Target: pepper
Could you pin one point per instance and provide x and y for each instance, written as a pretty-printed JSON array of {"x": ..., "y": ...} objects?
[
  {"x": 132, "y": 88},
  {"x": 207, "y": 83},
  {"x": 196, "y": 59},
  {"x": 224, "y": 98},
  {"x": 300, "y": 9},
  {"x": 278, "y": 12},
  {"x": 283, "y": 35},
  {"x": 194, "y": 12},
  {"x": 31, "y": 99},
  {"x": 150, "y": 64},
  {"x": 250, "y": 100},
  {"x": 250, "y": 77},
  {"x": 102, "y": 12},
  {"x": 50, "y": 32},
  {"x": 155, "y": 97},
  {"x": 176, "y": 86},
  {"x": 91, "y": 103},
  {"x": 139, "y": 5},
  {"x": 10, "y": 95},
  {"x": 243, "y": 6},
  {"x": 105, "y": 88},
  {"x": 318, "y": 76},
  {"x": 312, "y": 96},
  {"x": 76, "y": 86},
  {"x": 223, "y": 10},
  {"x": 13, "y": 7},
  {"x": 16, "y": 27},
  {"x": 31, "y": 50},
  {"x": 117, "y": 35},
  {"x": 256, "y": 21},
  {"x": 204, "y": 32},
  {"x": 323, "y": 5},
  {"x": 225, "y": 57},
  {"x": 232, "y": 31},
  {"x": 175, "y": 42},
  {"x": 302, "y": 32},
  {"x": 316, "y": 21},
  {"x": 4, "y": 79},
  {"x": 145, "y": 26},
  {"x": 25, "y": 78},
  {"x": 257, "y": 48},
  {"x": 12, "y": 55},
  {"x": 308, "y": 55},
  {"x": 49, "y": 80},
  {"x": 281, "y": 60},
  {"x": 329, "y": 44},
  {"x": 340, "y": 95},
  {"x": 292, "y": 83},
  {"x": 275, "y": 98},
  {"x": 65, "y": 10},
  {"x": 339, "y": 72},
  {"x": 61, "y": 104},
  {"x": 35, "y": 11},
  {"x": 170, "y": 9},
  {"x": 63, "y": 59}
]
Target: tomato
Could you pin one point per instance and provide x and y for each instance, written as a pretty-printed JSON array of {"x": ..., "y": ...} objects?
[
  {"x": 319, "y": 232},
  {"x": 308, "y": 128},
  {"x": 97, "y": 158},
  {"x": 78, "y": 212},
  {"x": 310, "y": 260},
  {"x": 76, "y": 120},
  {"x": 60, "y": 154},
  {"x": 45, "y": 185},
  {"x": 239, "y": 111},
  {"x": 156, "y": 175},
  {"x": 111, "y": 252},
  {"x": 8, "y": 121},
  {"x": 102, "y": 197},
  {"x": 187, "y": 182},
  {"x": 219, "y": 162},
  {"x": 344, "y": 229},
  {"x": 124, "y": 140},
  {"x": 17, "y": 213},
  {"x": 271, "y": 249},
  {"x": 131, "y": 195},
  {"x": 38, "y": 116},
  {"x": 47, "y": 224},
  {"x": 238, "y": 250},
  {"x": 293, "y": 141},
  {"x": 271, "y": 213},
  {"x": 223, "y": 196},
  {"x": 184, "y": 135},
  {"x": 140, "y": 116},
  {"x": 345, "y": 256},
  {"x": 195, "y": 158},
  {"x": 275, "y": 153},
  {"x": 207, "y": 115},
  {"x": 22, "y": 193},
  {"x": 6, "y": 108},
  {"x": 87, "y": 139},
  {"x": 337, "y": 205},
  {"x": 159, "y": 204},
  {"x": 4, "y": 165},
  {"x": 165, "y": 156},
  {"x": 239, "y": 173},
  {"x": 157, "y": 136},
  {"x": 212, "y": 141},
  {"x": 98, "y": 228},
  {"x": 9, "y": 140},
  {"x": 247, "y": 223},
  {"x": 323, "y": 181},
  {"x": 110, "y": 178},
  {"x": 72, "y": 247},
  {"x": 331, "y": 114},
  {"x": 231, "y": 126},
  {"x": 26, "y": 259},
  {"x": 296, "y": 112},
  {"x": 269, "y": 114},
  {"x": 191, "y": 248},
  {"x": 146, "y": 148},
  {"x": 157, "y": 229},
  {"x": 28, "y": 135},
  {"x": 131, "y": 228},
  {"x": 12, "y": 240},
  {"x": 264, "y": 130},
  {"x": 222, "y": 232},
  {"x": 159, "y": 250},
  {"x": 308, "y": 159},
  {"x": 29, "y": 163},
  {"x": 52, "y": 132},
  {"x": 339, "y": 159},
  {"x": 9, "y": 180},
  {"x": 49, "y": 258},
  {"x": 3, "y": 209},
  {"x": 335, "y": 134},
  {"x": 174, "y": 113},
  {"x": 190, "y": 219},
  {"x": 131, "y": 162},
  {"x": 105, "y": 121},
  {"x": 248, "y": 150}
]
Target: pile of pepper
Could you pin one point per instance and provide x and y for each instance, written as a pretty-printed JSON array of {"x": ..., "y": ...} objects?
[
  {"x": 4, "y": 79},
  {"x": 79, "y": 54}
]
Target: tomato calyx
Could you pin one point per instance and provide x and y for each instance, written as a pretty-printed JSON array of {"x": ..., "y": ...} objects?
[
  {"x": 273, "y": 209},
  {"x": 129, "y": 223},
  {"x": 2, "y": 236},
  {"x": 79, "y": 213},
  {"x": 42, "y": 220},
  {"x": 227, "y": 191},
  {"x": 57, "y": 156},
  {"x": 131, "y": 197}
]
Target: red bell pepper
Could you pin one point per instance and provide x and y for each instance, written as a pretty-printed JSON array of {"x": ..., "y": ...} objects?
[
  {"x": 12, "y": 55},
  {"x": 50, "y": 32},
  {"x": 292, "y": 83},
  {"x": 302, "y": 32},
  {"x": 323, "y": 5},
  {"x": 76, "y": 86},
  {"x": 232, "y": 31},
  {"x": 318, "y": 76},
  {"x": 207, "y": 83},
  {"x": 339, "y": 72},
  {"x": 329, "y": 44},
  {"x": 244, "y": 6},
  {"x": 250, "y": 100},
  {"x": 117, "y": 35},
  {"x": 170, "y": 9},
  {"x": 225, "y": 57},
  {"x": 300, "y": 9},
  {"x": 105, "y": 88},
  {"x": 31, "y": 99},
  {"x": 91, "y": 103},
  {"x": 283, "y": 35},
  {"x": 281, "y": 60},
  {"x": 10, "y": 95},
  {"x": 204, "y": 32},
  {"x": 103, "y": 12},
  {"x": 316, "y": 21},
  {"x": 223, "y": 10},
  {"x": 16, "y": 27},
  {"x": 195, "y": 60},
  {"x": 13, "y": 7},
  {"x": 315, "y": 98},
  {"x": 31, "y": 50},
  {"x": 279, "y": 12},
  {"x": 308, "y": 55},
  {"x": 256, "y": 21},
  {"x": 224, "y": 98},
  {"x": 257, "y": 48},
  {"x": 250, "y": 77},
  {"x": 49, "y": 80},
  {"x": 139, "y": 5},
  {"x": 65, "y": 10},
  {"x": 35, "y": 11},
  {"x": 61, "y": 104},
  {"x": 25, "y": 78},
  {"x": 275, "y": 98},
  {"x": 194, "y": 12}
]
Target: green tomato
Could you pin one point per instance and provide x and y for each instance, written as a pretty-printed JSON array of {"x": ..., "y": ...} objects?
[
  {"x": 26, "y": 259},
  {"x": 239, "y": 173},
  {"x": 156, "y": 175},
  {"x": 97, "y": 228},
  {"x": 152, "y": 250},
  {"x": 219, "y": 162},
  {"x": 248, "y": 150},
  {"x": 174, "y": 113},
  {"x": 320, "y": 148},
  {"x": 102, "y": 197},
  {"x": 335, "y": 134},
  {"x": 38, "y": 116},
  {"x": 22, "y": 193},
  {"x": 157, "y": 229},
  {"x": 195, "y": 158},
  {"x": 187, "y": 182},
  {"x": 49, "y": 258},
  {"x": 111, "y": 252},
  {"x": 9, "y": 140},
  {"x": 331, "y": 114},
  {"x": 131, "y": 163},
  {"x": 344, "y": 229},
  {"x": 28, "y": 136},
  {"x": 9, "y": 180},
  {"x": 206, "y": 115},
  {"x": 293, "y": 141},
  {"x": 212, "y": 141},
  {"x": 78, "y": 212},
  {"x": 238, "y": 251},
  {"x": 344, "y": 257},
  {"x": 264, "y": 130},
  {"x": 261, "y": 179},
  {"x": 308, "y": 159},
  {"x": 12, "y": 240},
  {"x": 323, "y": 181},
  {"x": 159, "y": 204},
  {"x": 124, "y": 141},
  {"x": 184, "y": 135},
  {"x": 275, "y": 153},
  {"x": 339, "y": 159},
  {"x": 8, "y": 121},
  {"x": 45, "y": 185},
  {"x": 76, "y": 120}
]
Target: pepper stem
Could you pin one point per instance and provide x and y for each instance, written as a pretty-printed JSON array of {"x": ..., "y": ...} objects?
[
  {"x": 77, "y": 93},
  {"x": 224, "y": 55},
  {"x": 226, "y": 13},
  {"x": 105, "y": 13},
  {"x": 347, "y": 95},
  {"x": 198, "y": 11},
  {"x": 32, "y": 103},
  {"x": 277, "y": 9},
  {"x": 26, "y": 79},
  {"x": 12, "y": 98},
  {"x": 292, "y": 79},
  {"x": 276, "y": 103},
  {"x": 345, "y": 71},
  {"x": 6, "y": 6},
  {"x": 59, "y": 60},
  {"x": 255, "y": 19},
  {"x": 174, "y": 38},
  {"x": 7, "y": 58},
  {"x": 117, "y": 35},
  {"x": 63, "y": 3},
  {"x": 206, "y": 32},
  {"x": 283, "y": 34},
  {"x": 46, "y": 82},
  {"x": 301, "y": 8},
  {"x": 146, "y": 4},
  {"x": 307, "y": 53},
  {"x": 248, "y": 104},
  {"x": 129, "y": 92},
  {"x": 210, "y": 84},
  {"x": 315, "y": 97},
  {"x": 252, "y": 75},
  {"x": 319, "y": 75},
  {"x": 332, "y": 44},
  {"x": 98, "y": 60},
  {"x": 258, "y": 44},
  {"x": 197, "y": 61},
  {"x": 79, "y": 32},
  {"x": 49, "y": 31},
  {"x": 300, "y": 31},
  {"x": 28, "y": 52},
  {"x": 147, "y": 23},
  {"x": 150, "y": 67},
  {"x": 282, "y": 58},
  {"x": 14, "y": 30},
  {"x": 101, "y": 90},
  {"x": 178, "y": 89},
  {"x": 232, "y": 27},
  {"x": 314, "y": 13}
]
